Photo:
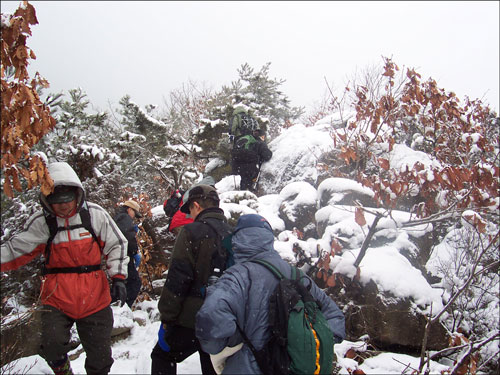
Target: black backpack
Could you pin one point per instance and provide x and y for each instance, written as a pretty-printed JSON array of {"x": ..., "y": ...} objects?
[
  {"x": 243, "y": 152},
  {"x": 222, "y": 258},
  {"x": 173, "y": 203},
  {"x": 247, "y": 125},
  {"x": 301, "y": 340},
  {"x": 51, "y": 221}
]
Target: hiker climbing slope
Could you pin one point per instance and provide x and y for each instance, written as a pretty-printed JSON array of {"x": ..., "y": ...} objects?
[
  {"x": 236, "y": 306},
  {"x": 73, "y": 235},
  {"x": 248, "y": 153},
  {"x": 193, "y": 261}
]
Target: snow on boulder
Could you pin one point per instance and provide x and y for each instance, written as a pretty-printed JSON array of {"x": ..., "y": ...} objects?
[
  {"x": 341, "y": 191},
  {"x": 295, "y": 155},
  {"x": 123, "y": 321},
  {"x": 298, "y": 207}
]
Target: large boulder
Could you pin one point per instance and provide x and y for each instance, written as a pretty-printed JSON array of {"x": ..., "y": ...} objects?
[
  {"x": 295, "y": 157},
  {"x": 390, "y": 322},
  {"x": 298, "y": 207}
]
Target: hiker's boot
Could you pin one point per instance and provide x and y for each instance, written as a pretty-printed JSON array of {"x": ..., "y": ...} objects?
[{"x": 61, "y": 367}]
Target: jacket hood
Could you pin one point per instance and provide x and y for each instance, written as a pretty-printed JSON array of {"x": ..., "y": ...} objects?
[
  {"x": 63, "y": 175},
  {"x": 251, "y": 241}
]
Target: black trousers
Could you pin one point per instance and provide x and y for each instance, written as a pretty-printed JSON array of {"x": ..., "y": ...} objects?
[
  {"x": 247, "y": 172},
  {"x": 183, "y": 343},
  {"x": 133, "y": 283},
  {"x": 94, "y": 332}
]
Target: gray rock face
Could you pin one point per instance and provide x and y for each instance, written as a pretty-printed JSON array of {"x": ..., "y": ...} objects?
[
  {"x": 389, "y": 322},
  {"x": 298, "y": 207}
]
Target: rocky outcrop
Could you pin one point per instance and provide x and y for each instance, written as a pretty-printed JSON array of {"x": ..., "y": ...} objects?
[
  {"x": 391, "y": 323},
  {"x": 298, "y": 208}
]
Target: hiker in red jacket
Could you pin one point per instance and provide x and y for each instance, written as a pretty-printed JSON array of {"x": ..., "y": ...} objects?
[{"x": 73, "y": 235}]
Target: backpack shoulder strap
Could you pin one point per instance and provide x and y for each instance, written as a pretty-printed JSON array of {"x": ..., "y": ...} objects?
[
  {"x": 86, "y": 222},
  {"x": 51, "y": 221},
  {"x": 270, "y": 267},
  {"x": 220, "y": 257},
  {"x": 233, "y": 129}
]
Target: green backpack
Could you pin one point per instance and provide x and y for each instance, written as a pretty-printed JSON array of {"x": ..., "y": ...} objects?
[
  {"x": 301, "y": 340},
  {"x": 242, "y": 123},
  {"x": 244, "y": 142}
]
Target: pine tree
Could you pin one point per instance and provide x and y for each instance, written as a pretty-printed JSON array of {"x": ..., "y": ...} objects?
[{"x": 263, "y": 95}]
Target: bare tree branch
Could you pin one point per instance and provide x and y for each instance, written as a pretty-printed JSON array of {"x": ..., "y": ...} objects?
[{"x": 473, "y": 347}]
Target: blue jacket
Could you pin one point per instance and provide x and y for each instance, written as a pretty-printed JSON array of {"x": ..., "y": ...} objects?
[{"x": 241, "y": 297}]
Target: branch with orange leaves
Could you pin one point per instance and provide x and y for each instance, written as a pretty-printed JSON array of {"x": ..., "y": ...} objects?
[{"x": 25, "y": 119}]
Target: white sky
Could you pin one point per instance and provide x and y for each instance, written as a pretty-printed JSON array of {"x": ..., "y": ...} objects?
[{"x": 146, "y": 49}]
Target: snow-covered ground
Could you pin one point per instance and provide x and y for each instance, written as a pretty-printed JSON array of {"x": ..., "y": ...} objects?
[
  {"x": 385, "y": 265},
  {"x": 132, "y": 355}
]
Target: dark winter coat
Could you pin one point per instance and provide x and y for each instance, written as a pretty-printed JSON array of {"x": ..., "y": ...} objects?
[
  {"x": 240, "y": 297},
  {"x": 127, "y": 225},
  {"x": 249, "y": 169},
  {"x": 190, "y": 267}
]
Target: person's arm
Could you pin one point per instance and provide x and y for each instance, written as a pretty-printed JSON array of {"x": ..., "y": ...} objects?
[
  {"x": 25, "y": 245},
  {"x": 114, "y": 244},
  {"x": 265, "y": 154},
  {"x": 179, "y": 278},
  {"x": 217, "y": 319},
  {"x": 130, "y": 235},
  {"x": 332, "y": 313}
]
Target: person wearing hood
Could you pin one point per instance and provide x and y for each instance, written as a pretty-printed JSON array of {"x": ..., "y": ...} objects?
[
  {"x": 237, "y": 299},
  {"x": 73, "y": 236},
  {"x": 195, "y": 258},
  {"x": 124, "y": 218}
]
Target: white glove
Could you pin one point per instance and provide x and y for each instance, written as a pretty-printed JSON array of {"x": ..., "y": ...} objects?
[{"x": 219, "y": 359}]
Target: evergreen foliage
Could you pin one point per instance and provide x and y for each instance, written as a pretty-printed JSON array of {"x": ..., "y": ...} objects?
[
  {"x": 148, "y": 153},
  {"x": 263, "y": 96}
]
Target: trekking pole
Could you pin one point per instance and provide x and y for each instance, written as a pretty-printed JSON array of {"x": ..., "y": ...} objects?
[{"x": 256, "y": 180}]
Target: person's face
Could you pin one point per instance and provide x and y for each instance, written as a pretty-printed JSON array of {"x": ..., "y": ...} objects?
[
  {"x": 131, "y": 212},
  {"x": 64, "y": 209},
  {"x": 194, "y": 209}
]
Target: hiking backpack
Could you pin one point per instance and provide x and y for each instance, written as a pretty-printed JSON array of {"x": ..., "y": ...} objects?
[
  {"x": 247, "y": 124},
  {"x": 173, "y": 203},
  {"x": 301, "y": 340},
  {"x": 222, "y": 258},
  {"x": 243, "y": 151},
  {"x": 51, "y": 221}
]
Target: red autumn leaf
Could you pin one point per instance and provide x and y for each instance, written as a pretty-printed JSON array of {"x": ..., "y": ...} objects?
[
  {"x": 351, "y": 354},
  {"x": 298, "y": 233},
  {"x": 396, "y": 187},
  {"x": 359, "y": 217},
  {"x": 331, "y": 281},
  {"x": 384, "y": 163},
  {"x": 336, "y": 248},
  {"x": 15, "y": 181},
  {"x": 7, "y": 188}
]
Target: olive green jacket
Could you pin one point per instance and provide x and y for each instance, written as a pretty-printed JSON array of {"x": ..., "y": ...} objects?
[{"x": 190, "y": 267}]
